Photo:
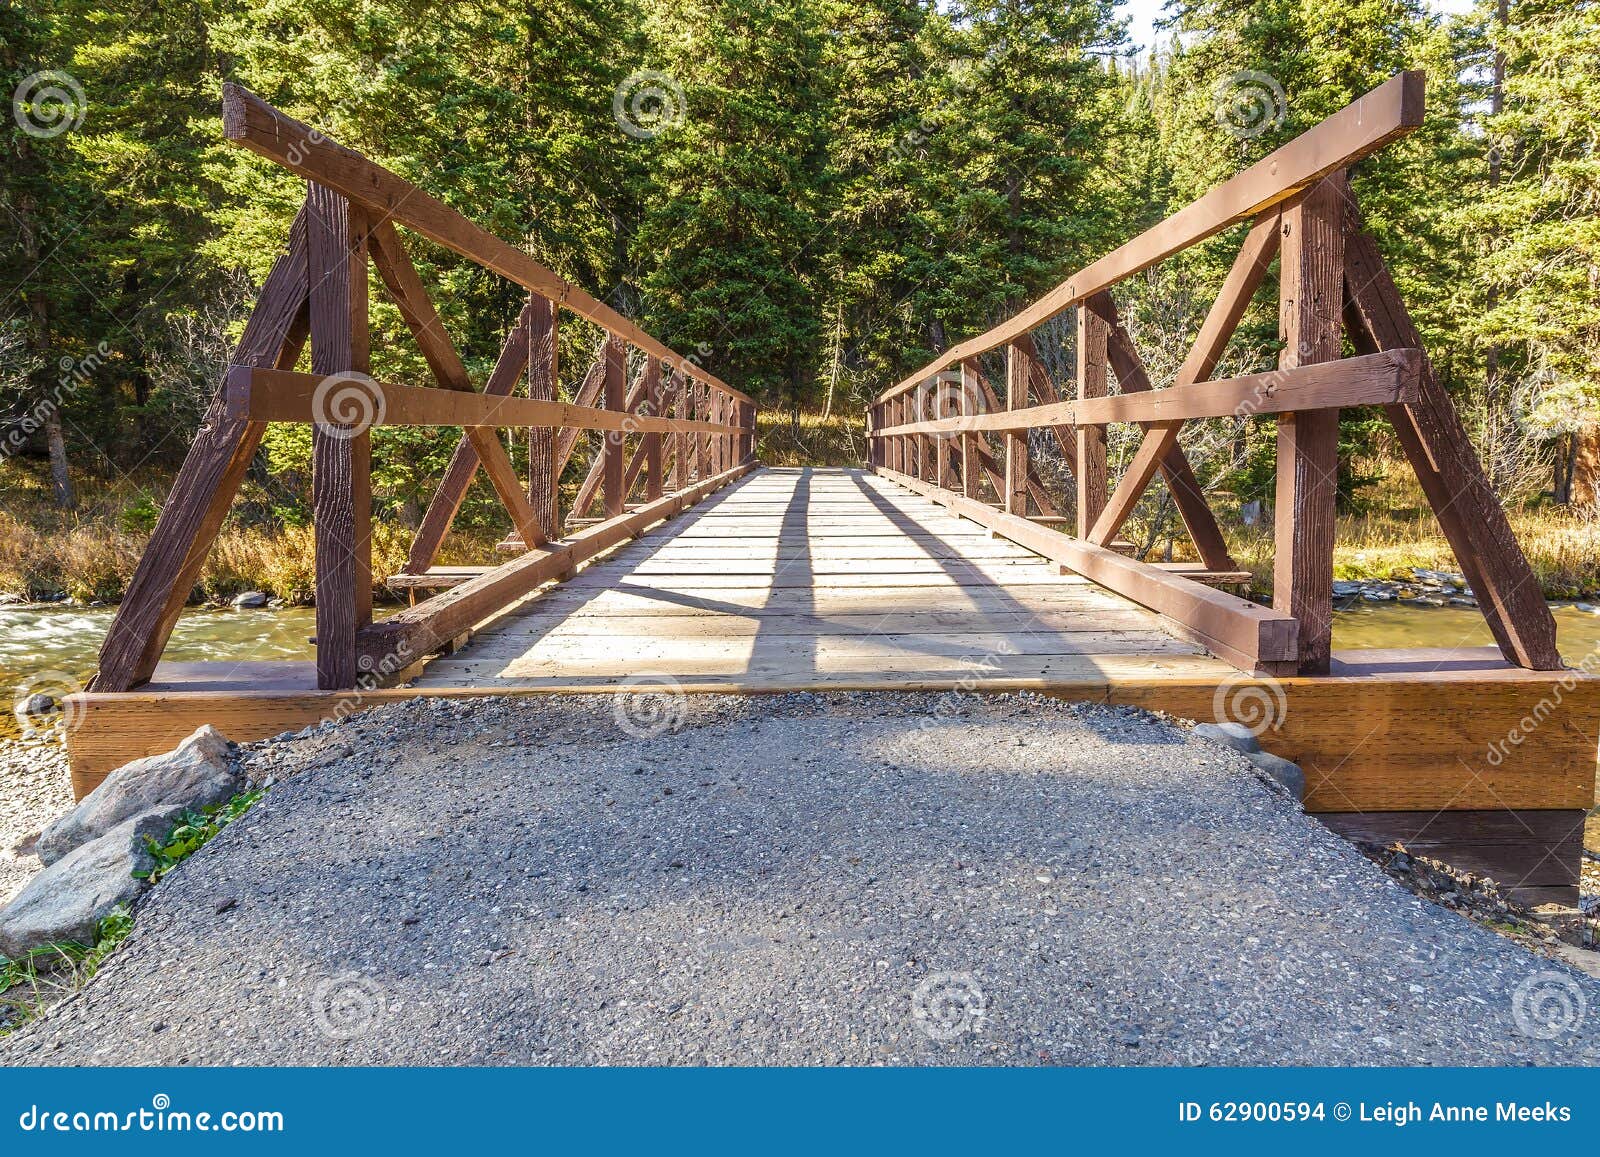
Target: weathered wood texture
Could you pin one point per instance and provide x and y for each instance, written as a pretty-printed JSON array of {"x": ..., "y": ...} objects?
[
  {"x": 1311, "y": 311},
  {"x": 1093, "y": 336}
]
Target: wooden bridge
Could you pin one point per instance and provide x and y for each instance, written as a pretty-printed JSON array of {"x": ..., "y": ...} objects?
[{"x": 948, "y": 564}]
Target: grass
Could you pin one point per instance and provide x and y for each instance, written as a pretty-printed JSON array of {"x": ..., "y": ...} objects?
[
  {"x": 1400, "y": 533},
  {"x": 52, "y": 971},
  {"x": 812, "y": 440}
]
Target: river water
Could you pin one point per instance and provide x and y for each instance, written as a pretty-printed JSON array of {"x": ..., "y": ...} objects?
[{"x": 41, "y": 647}]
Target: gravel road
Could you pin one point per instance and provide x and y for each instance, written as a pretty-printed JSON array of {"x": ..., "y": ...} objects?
[{"x": 794, "y": 880}]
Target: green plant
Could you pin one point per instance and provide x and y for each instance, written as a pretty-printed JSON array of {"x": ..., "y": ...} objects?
[
  {"x": 193, "y": 831},
  {"x": 50, "y": 971}
]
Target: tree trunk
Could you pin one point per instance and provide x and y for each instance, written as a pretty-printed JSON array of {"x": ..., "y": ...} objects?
[
  {"x": 60, "y": 477},
  {"x": 1584, "y": 481}
]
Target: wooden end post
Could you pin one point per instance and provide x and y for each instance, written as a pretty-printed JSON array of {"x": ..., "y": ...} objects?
[
  {"x": 1093, "y": 337},
  {"x": 652, "y": 440},
  {"x": 612, "y": 441},
  {"x": 1311, "y": 308},
  {"x": 1019, "y": 374},
  {"x": 544, "y": 491}
]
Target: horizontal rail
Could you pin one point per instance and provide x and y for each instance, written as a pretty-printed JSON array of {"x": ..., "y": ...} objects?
[
  {"x": 1391, "y": 110},
  {"x": 358, "y": 401},
  {"x": 249, "y": 121},
  {"x": 1381, "y": 379},
  {"x": 1251, "y": 637}
]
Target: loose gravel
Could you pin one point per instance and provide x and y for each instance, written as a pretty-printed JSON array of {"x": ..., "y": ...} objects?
[
  {"x": 798, "y": 879},
  {"x": 34, "y": 789}
]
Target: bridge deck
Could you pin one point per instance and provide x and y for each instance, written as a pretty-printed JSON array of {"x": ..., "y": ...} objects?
[{"x": 820, "y": 578}]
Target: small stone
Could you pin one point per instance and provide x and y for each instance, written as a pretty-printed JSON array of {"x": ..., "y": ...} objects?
[
  {"x": 249, "y": 600},
  {"x": 38, "y": 704},
  {"x": 1283, "y": 771},
  {"x": 224, "y": 904},
  {"x": 1229, "y": 734},
  {"x": 1132, "y": 1038}
]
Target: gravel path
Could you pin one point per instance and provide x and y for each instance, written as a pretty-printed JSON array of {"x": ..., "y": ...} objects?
[
  {"x": 798, "y": 879},
  {"x": 34, "y": 789}
]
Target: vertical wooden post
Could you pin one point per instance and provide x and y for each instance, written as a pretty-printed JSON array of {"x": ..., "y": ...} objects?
[
  {"x": 340, "y": 449},
  {"x": 970, "y": 390},
  {"x": 612, "y": 441},
  {"x": 702, "y": 440},
  {"x": 1093, "y": 335},
  {"x": 1311, "y": 309},
  {"x": 942, "y": 408},
  {"x": 1019, "y": 375},
  {"x": 544, "y": 491},
  {"x": 652, "y": 441},
  {"x": 681, "y": 467}
]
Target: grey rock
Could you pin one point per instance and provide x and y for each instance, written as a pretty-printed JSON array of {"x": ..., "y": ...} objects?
[
  {"x": 201, "y": 772},
  {"x": 1345, "y": 587},
  {"x": 1463, "y": 601},
  {"x": 1282, "y": 770},
  {"x": 250, "y": 599},
  {"x": 1229, "y": 734},
  {"x": 38, "y": 704},
  {"x": 67, "y": 900}
]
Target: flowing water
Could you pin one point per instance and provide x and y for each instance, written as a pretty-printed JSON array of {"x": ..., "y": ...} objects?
[{"x": 42, "y": 648}]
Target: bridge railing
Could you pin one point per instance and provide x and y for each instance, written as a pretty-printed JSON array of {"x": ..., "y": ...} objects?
[
  {"x": 931, "y": 431},
  {"x": 677, "y": 434}
]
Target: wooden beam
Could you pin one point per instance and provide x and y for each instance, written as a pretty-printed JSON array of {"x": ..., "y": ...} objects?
[
  {"x": 652, "y": 439},
  {"x": 337, "y": 275},
  {"x": 1251, "y": 637},
  {"x": 1311, "y": 285},
  {"x": 1019, "y": 374},
  {"x": 1093, "y": 336},
  {"x": 390, "y": 646},
  {"x": 481, "y": 447},
  {"x": 288, "y": 396},
  {"x": 611, "y": 443},
  {"x": 1389, "y": 111},
  {"x": 204, "y": 489},
  {"x": 249, "y": 121},
  {"x": 544, "y": 478},
  {"x": 1378, "y": 379},
  {"x": 1447, "y": 466}
]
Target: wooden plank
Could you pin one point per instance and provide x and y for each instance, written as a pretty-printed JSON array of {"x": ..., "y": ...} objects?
[
  {"x": 249, "y": 121},
  {"x": 1447, "y": 466},
  {"x": 682, "y": 463},
  {"x": 652, "y": 440},
  {"x": 544, "y": 478},
  {"x": 204, "y": 489},
  {"x": 337, "y": 284},
  {"x": 1019, "y": 375},
  {"x": 287, "y": 396},
  {"x": 1383, "y": 378},
  {"x": 1090, "y": 476},
  {"x": 404, "y": 638},
  {"x": 1517, "y": 849},
  {"x": 1389, "y": 111},
  {"x": 1311, "y": 281},
  {"x": 1235, "y": 629}
]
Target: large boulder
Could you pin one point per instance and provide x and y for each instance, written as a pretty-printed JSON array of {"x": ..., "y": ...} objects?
[
  {"x": 202, "y": 771},
  {"x": 68, "y": 899}
]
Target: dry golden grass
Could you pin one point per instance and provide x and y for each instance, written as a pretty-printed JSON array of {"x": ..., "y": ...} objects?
[{"x": 837, "y": 440}]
